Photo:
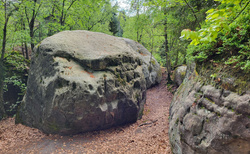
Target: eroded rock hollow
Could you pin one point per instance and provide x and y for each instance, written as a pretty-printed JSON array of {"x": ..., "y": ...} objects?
[{"x": 83, "y": 81}]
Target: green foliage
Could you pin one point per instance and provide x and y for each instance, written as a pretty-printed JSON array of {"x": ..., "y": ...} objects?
[
  {"x": 16, "y": 81},
  {"x": 15, "y": 77},
  {"x": 159, "y": 59},
  {"x": 14, "y": 61},
  {"x": 217, "y": 19},
  {"x": 147, "y": 25},
  {"x": 224, "y": 38},
  {"x": 115, "y": 27},
  {"x": 17, "y": 66}
]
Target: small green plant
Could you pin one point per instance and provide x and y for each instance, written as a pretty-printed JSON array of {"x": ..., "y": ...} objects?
[
  {"x": 213, "y": 75},
  {"x": 12, "y": 108},
  {"x": 16, "y": 81},
  {"x": 153, "y": 62},
  {"x": 14, "y": 61},
  {"x": 15, "y": 77},
  {"x": 177, "y": 120}
]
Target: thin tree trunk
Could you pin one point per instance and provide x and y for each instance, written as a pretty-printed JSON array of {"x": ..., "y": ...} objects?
[
  {"x": 32, "y": 22},
  {"x": 26, "y": 50},
  {"x": 62, "y": 14},
  {"x": 23, "y": 49},
  {"x": 138, "y": 16},
  {"x": 176, "y": 59},
  {"x": 51, "y": 18},
  {"x": 168, "y": 64},
  {"x": 192, "y": 9},
  {"x": 31, "y": 26},
  {"x": 2, "y": 110},
  {"x": 25, "y": 45}
]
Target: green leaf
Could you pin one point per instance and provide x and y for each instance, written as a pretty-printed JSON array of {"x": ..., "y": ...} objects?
[{"x": 210, "y": 11}]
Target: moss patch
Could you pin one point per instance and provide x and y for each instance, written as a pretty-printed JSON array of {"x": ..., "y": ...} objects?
[
  {"x": 227, "y": 77},
  {"x": 54, "y": 127}
]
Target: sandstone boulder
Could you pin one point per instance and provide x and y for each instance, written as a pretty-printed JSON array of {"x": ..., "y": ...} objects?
[
  {"x": 204, "y": 119},
  {"x": 179, "y": 74},
  {"x": 83, "y": 81},
  {"x": 150, "y": 67}
]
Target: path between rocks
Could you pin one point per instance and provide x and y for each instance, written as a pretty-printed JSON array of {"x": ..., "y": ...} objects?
[{"x": 148, "y": 135}]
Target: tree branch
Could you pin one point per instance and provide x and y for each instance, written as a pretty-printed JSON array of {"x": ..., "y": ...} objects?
[
  {"x": 71, "y": 4},
  {"x": 38, "y": 9},
  {"x": 27, "y": 15},
  {"x": 192, "y": 9},
  {"x": 240, "y": 12}
]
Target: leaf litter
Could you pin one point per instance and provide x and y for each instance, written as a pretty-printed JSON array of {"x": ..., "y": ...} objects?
[{"x": 147, "y": 136}]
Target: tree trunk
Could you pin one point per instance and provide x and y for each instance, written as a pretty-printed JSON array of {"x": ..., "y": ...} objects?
[
  {"x": 31, "y": 26},
  {"x": 168, "y": 64},
  {"x": 2, "y": 110},
  {"x": 62, "y": 14},
  {"x": 23, "y": 49},
  {"x": 25, "y": 43},
  {"x": 51, "y": 20},
  {"x": 138, "y": 17},
  {"x": 26, "y": 50},
  {"x": 177, "y": 58}
]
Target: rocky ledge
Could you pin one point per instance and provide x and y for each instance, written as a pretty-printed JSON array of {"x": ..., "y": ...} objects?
[{"x": 209, "y": 120}]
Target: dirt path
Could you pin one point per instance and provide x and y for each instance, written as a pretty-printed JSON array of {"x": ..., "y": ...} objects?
[{"x": 148, "y": 135}]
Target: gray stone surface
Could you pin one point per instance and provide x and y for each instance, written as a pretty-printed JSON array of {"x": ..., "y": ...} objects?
[
  {"x": 83, "y": 81},
  {"x": 150, "y": 67},
  {"x": 179, "y": 74},
  {"x": 207, "y": 120}
]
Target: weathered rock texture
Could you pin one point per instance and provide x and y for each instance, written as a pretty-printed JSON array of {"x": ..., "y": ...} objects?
[
  {"x": 179, "y": 74},
  {"x": 150, "y": 67},
  {"x": 204, "y": 119},
  {"x": 83, "y": 81}
]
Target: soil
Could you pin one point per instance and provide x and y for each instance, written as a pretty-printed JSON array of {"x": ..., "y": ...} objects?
[{"x": 147, "y": 135}]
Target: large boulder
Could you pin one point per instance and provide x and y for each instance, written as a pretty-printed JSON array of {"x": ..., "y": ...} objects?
[
  {"x": 150, "y": 67},
  {"x": 179, "y": 74},
  {"x": 204, "y": 119},
  {"x": 83, "y": 81}
]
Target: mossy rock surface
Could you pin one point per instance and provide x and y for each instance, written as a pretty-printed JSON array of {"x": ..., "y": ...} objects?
[
  {"x": 179, "y": 74},
  {"x": 224, "y": 77},
  {"x": 205, "y": 118}
]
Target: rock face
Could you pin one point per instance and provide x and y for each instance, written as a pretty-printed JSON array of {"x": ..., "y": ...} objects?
[
  {"x": 83, "y": 81},
  {"x": 150, "y": 67},
  {"x": 204, "y": 119},
  {"x": 179, "y": 74}
]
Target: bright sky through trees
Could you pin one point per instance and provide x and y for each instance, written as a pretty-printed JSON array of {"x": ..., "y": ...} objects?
[{"x": 123, "y": 4}]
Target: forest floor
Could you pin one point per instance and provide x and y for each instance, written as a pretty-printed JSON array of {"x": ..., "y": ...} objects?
[{"x": 148, "y": 135}]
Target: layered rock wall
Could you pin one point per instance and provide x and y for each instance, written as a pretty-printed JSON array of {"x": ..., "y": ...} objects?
[{"x": 204, "y": 119}]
